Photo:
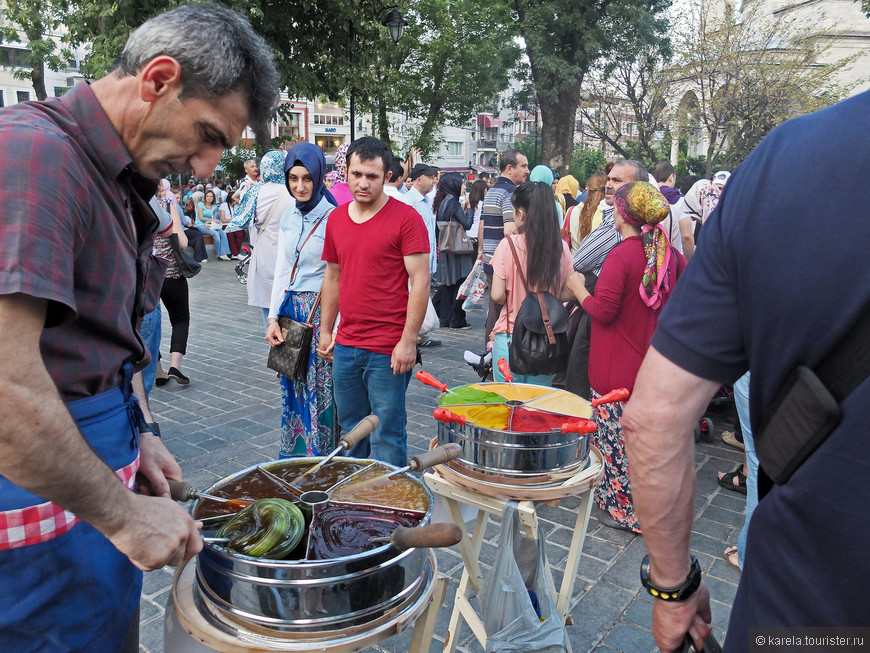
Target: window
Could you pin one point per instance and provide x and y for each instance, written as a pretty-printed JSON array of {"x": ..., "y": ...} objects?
[
  {"x": 23, "y": 96},
  {"x": 14, "y": 57},
  {"x": 454, "y": 148},
  {"x": 324, "y": 119},
  {"x": 2, "y": 101},
  {"x": 60, "y": 90}
]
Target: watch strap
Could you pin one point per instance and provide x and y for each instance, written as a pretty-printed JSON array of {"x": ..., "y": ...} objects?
[{"x": 681, "y": 592}]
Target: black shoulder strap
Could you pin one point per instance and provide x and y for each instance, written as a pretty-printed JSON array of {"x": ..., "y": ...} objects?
[{"x": 848, "y": 364}]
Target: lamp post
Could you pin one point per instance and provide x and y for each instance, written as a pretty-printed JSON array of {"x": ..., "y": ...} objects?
[{"x": 395, "y": 24}]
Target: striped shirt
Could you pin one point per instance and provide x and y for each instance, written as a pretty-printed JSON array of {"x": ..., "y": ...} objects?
[
  {"x": 597, "y": 245},
  {"x": 497, "y": 210}
]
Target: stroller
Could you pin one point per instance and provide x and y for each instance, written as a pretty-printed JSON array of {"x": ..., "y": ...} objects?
[
  {"x": 242, "y": 265},
  {"x": 722, "y": 403},
  {"x": 480, "y": 364}
]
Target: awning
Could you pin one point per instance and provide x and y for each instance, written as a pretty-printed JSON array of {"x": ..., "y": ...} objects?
[
  {"x": 488, "y": 121},
  {"x": 463, "y": 170},
  {"x": 485, "y": 169}
]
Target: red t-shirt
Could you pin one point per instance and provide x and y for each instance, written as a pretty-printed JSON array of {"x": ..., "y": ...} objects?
[
  {"x": 373, "y": 289},
  {"x": 622, "y": 324}
]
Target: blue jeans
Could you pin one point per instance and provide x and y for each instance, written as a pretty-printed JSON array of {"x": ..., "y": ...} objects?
[
  {"x": 741, "y": 398},
  {"x": 501, "y": 349},
  {"x": 221, "y": 244},
  {"x": 365, "y": 384},
  {"x": 150, "y": 331}
]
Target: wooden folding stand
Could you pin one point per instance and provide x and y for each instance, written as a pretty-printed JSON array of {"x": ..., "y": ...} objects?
[{"x": 490, "y": 498}]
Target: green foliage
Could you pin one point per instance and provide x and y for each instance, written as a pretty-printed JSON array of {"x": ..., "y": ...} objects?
[
  {"x": 531, "y": 147},
  {"x": 585, "y": 163},
  {"x": 32, "y": 21},
  {"x": 564, "y": 39},
  {"x": 233, "y": 162}
]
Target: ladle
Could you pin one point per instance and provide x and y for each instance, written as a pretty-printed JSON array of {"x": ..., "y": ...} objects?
[{"x": 184, "y": 491}]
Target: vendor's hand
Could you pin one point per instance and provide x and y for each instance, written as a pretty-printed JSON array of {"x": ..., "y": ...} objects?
[
  {"x": 155, "y": 532},
  {"x": 273, "y": 334},
  {"x": 404, "y": 356},
  {"x": 671, "y": 620},
  {"x": 156, "y": 464},
  {"x": 325, "y": 345}
]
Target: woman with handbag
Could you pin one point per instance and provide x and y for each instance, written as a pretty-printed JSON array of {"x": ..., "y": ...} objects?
[
  {"x": 208, "y": 222},
  {"x": 175, "y": 293},
  {"x": 542, "y": 259},
  {"x": 308, "y": 418},
  {"x": 634, "y": 283},
  {"x": 454, "y": 264}
]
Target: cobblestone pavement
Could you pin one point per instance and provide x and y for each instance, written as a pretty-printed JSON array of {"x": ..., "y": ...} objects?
[{"x": 229, "y": 417}]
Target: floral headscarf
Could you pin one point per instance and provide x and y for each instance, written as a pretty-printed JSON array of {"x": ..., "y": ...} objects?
[
  {"x": 168, "y": 197},
  {"x": 702, "y": 198},
  {"x": 642, "y": 205},
  {"x": 272, "y": 171},
  {"x": 331, "y": 176},
  {"x": 341, "y": 163}
]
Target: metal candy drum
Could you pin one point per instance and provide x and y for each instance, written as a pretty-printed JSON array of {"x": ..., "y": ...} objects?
[
  {"x": 312, "y": 595},
  {"x": 513, "y": 431}
]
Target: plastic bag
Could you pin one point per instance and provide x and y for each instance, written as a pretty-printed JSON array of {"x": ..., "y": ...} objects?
[
  {"x": 473, "y": 288},
  {"x": 509, "y": 617},
  {"x": 431, "y": 321}
]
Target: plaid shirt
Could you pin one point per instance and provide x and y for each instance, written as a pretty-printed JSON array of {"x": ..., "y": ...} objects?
[{"x": 75, "y": 231}]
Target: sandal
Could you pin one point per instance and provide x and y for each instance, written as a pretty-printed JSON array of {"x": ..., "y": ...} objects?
[
  {"x": 727, "y": 480},
  {"x": 731, "y": 556}
]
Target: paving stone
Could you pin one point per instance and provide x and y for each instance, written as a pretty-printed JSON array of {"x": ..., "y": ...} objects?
[
  {"x": 627, "y": 637},
  {"x": 600, "y": 608},
  {"x": 721, "y": 515},
  {"x": 730, "y": 501},
  {"x": 720, "y": 590},
  {"x": 639, "y": 613}
]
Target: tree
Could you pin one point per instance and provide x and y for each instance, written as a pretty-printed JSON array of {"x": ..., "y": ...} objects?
[
  {"x": 628, "y": 100},
  {"x": 564, "y": 39},
  {"x": 585, "y": 163},
  {"x": 33, "y": 21},
  {"x": 747, "y": 72}
]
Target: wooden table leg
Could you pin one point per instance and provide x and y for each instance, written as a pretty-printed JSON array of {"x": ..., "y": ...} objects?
[{"x": 425, "y": 626}]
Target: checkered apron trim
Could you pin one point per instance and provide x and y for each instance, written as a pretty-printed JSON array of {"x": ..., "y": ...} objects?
[{"x": 46, "y": 521}]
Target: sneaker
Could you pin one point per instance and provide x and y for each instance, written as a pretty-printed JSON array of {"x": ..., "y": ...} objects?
[
  {"x": 430, "y": 343},
  {"x": 178, "y": 376},
  {"x": 223, "y": 257},
  {"x": 462, "y": 327},
  {"x": 203, "y": 261}
]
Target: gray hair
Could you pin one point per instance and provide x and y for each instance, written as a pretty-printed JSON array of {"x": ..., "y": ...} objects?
[
  {"x": 640, "y": 171},
  {"x": 231, "y": 58}
]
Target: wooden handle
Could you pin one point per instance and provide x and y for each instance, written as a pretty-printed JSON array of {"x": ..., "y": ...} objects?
[
  {"x": 505, "y": 369},
  {"x": 429, "y": 536},
  {"x": 365, "y": 427},
  {"x": 620, "y": 394},
  {"x": 444, "y": 415},
  {"x": 428, "y": 379},
  {"x": 582, "y": 426},
  {"x": 181, "y": 490},
  {"x": 437, "y": 456}
]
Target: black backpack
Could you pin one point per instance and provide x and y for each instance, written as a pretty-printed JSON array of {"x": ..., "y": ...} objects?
[{"x": 539, "y": 340}]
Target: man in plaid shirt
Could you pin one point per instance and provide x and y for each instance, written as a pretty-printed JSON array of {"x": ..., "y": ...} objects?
[{"x": 76, "y": 277}]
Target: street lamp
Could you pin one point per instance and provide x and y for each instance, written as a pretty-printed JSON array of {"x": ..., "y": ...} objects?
[{"x": 395, "y": 24}]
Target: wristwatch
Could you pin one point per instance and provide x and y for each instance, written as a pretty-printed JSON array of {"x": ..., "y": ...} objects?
[{"x": 679, "y": 593}]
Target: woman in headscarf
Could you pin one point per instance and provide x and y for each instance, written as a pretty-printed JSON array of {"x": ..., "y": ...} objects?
[
  {"x": 260, "y": 212},
  {"x": 340, "y": 190},
  {"x": 330, "y": 179},
  {"x": 635, "y": 282},
  {"x": 452, "y": 268},
  {"x": 308, "y": 418},
  {"x": 697, "y": 204},
  {"x": 566, "y": 192},
  {"x": 544, "y": 175}
]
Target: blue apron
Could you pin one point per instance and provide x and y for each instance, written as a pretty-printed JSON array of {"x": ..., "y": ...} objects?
[{"x": 75, "y": 592}]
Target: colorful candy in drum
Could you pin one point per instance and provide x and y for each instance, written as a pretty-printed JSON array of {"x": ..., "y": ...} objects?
[{"x": 516, "y": 432}]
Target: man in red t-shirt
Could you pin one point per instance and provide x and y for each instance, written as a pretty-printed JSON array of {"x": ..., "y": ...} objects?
[{"x": 374, "y": 246}]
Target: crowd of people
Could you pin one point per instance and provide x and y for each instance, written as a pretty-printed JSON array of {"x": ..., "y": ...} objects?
[{"x": 84, "y": 497}]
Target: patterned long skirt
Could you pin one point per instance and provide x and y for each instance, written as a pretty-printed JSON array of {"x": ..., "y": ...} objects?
[
  {"x": 614, "y": 492},
  {"x": 308, "y": 421}
]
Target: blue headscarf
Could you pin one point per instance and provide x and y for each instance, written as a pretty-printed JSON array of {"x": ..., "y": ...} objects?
[
  {"x": 272, "y": 170},
  {"x": 310, "y": 157}
]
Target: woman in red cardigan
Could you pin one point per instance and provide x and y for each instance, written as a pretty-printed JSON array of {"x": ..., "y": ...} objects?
[{"x": 635, "y": 282}]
